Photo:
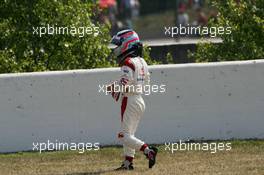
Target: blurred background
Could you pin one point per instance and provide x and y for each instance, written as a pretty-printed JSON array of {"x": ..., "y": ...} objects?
[
  {"x": 149, "y": 18},
  {"x": 23, "y": 51}
]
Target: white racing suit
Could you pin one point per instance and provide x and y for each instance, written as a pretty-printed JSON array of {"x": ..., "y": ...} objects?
[{"x": 135, "y": 74}]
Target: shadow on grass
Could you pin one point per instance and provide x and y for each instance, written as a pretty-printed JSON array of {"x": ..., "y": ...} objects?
[{"x": 93, "y": 173}]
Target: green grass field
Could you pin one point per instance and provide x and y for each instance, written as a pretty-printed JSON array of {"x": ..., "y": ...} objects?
[{"x": 245, "y": 157}]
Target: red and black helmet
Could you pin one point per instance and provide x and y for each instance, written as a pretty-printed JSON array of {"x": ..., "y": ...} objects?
[{"x": 127, "y": 44}]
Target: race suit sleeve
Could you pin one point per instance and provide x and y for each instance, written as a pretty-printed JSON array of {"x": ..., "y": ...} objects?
[{"x": 126, "y": 78}]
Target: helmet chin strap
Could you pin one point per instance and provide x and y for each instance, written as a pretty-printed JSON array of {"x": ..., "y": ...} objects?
[
  {"x": 135, "y": 51},
  {"x": 123, "y": 56}
]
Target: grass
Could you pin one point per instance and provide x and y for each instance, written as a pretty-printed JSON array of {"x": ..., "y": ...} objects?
[{"x": 245, "y": 157}]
